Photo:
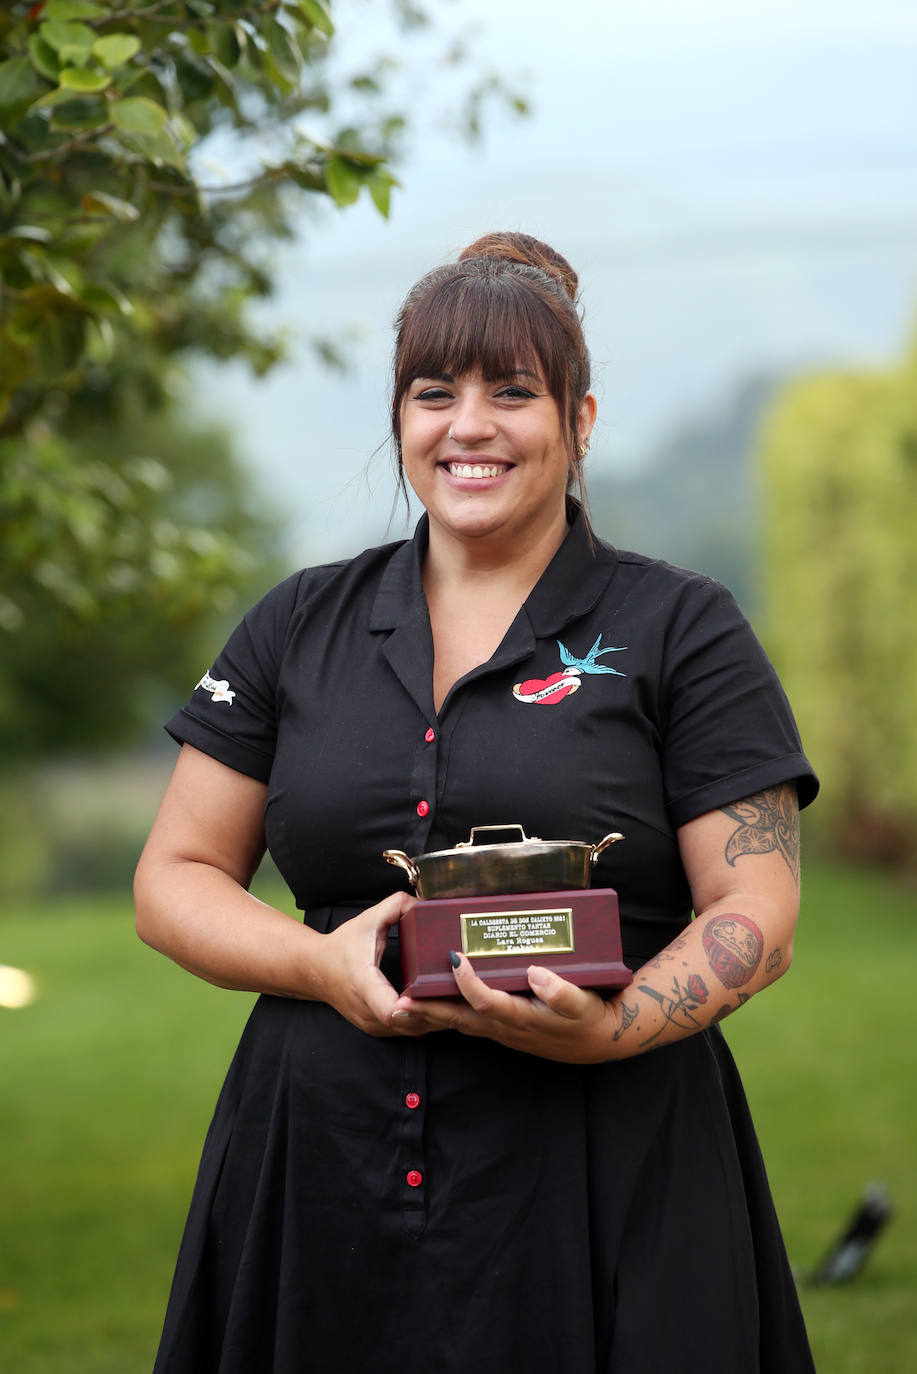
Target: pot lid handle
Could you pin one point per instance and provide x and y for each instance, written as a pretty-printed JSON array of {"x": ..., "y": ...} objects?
[{"x": 479, "y": 830}]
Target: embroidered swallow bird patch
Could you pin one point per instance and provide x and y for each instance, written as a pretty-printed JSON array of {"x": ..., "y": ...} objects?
[{"x": 549, "y": 691}]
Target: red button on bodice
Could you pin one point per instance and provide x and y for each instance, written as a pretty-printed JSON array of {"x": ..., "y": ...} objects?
[
  {"x": 430, "y": 736},
  {"x": 414, "y": 1178},
  {"x": 412, "y": 1100},
  {"x": 423, "y": 808}
]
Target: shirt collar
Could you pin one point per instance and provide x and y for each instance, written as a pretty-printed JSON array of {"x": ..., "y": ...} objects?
[
  {"x": 400, "y": 591},
  {"x": 574, "y": 580},
  {"x": 570, "y": 585}
]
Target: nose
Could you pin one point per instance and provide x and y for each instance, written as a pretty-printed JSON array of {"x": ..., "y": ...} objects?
[{"x": 471, "y": 421}]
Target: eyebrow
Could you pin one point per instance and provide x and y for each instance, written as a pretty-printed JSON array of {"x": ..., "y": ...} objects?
[{"x": 501, "y": 377}]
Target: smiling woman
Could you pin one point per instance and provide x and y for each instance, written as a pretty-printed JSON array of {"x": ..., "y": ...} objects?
[{"x": 492, "y": 1181}]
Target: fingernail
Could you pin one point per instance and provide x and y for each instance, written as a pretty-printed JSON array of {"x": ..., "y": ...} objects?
[
  {"x": 539, "y": 977},
  {"x": 400, "y": 1016},
  {"x": 454, "y": 959}
]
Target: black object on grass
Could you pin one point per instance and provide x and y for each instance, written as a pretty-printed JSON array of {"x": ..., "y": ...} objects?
[{"x": 846, "y": 1257}]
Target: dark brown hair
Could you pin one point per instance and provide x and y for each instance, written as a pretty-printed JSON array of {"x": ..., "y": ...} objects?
[{"x": 509, "y": 301}]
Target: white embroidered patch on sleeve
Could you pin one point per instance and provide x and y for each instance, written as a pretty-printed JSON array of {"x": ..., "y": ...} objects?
[{"x": 219, "y": 690}]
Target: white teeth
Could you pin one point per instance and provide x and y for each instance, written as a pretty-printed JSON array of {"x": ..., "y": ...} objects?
[{"x": 475, "y": 469}]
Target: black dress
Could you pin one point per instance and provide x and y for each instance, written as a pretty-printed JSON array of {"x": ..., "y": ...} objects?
[{"x": 445, "y": 1204}]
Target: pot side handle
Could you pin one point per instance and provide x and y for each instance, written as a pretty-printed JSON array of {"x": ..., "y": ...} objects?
[
  {"x": 603, "y": 844},
  {"x": 401, "y": 860}
]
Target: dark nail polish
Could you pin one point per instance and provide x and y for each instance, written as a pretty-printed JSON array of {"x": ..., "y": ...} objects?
[{"x": 454, "y": 958}]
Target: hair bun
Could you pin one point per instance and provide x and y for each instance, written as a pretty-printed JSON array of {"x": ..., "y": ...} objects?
[{"x": 531, "y": 252}]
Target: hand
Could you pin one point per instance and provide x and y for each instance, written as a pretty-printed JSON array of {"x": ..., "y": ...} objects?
[
  {"x": 347, "y": 973},
  {"x": 561, "y": 1022}
]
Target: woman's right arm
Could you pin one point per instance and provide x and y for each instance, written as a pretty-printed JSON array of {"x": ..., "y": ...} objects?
[{"x": 192, "y": 904}]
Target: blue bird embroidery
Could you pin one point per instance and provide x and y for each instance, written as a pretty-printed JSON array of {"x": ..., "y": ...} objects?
[
  {"x": 551, "y": 690},
  {"x": 589, "y": 664}
]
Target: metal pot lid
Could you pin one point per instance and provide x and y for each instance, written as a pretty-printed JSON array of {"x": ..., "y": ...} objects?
[{"x": 471, "y": 846}]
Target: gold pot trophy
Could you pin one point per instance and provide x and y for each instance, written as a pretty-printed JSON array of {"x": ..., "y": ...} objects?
[{"x": 507, "y": 906}]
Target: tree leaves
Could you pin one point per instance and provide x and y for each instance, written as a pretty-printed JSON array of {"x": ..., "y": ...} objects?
[
  {"x": 83, "y": 79},
  {"x": 138, "y": 115},
  {"x": 74, "y": 9},
  {"x": 122, "y": 210},
  {"x": 347, "y": 172},
  {"x": 317, "y": 15},
  {"x": 344, "y": 179},
  {"x": 380, "y": 183},
  {"x": 114, "y": 49},
  {"x": 20, "y": 83},
  {"x": 72, "y": 42},
  {"x": 841, "y": 571},
  {"x": 127, "y": 250}
]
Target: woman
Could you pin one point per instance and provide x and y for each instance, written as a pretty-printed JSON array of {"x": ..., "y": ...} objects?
[{"x": 564, "y": 1181}]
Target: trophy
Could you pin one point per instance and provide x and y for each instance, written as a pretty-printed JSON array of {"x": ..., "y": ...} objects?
[{"x": 506, "y": 906}]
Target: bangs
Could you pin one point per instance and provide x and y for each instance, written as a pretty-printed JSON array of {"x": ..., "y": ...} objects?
[{"x": 471, "y": 327}]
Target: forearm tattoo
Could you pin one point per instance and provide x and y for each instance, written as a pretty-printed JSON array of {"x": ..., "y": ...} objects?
[
  {"x": 768, "y": 823},
  {"x": 628, "y": 1017},
  {"x": 679, "y": 1005}
]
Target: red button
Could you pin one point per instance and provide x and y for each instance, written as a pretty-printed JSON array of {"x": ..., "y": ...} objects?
[
  {"x": 423, "y": 808},
  {"x": 414, "y": 1178},
  {"x": 412, "y": 1100},
  {"x": 430, "y": 736}
]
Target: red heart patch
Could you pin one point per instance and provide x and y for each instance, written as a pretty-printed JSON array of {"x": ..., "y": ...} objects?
[{"x": 546, "y": 691}]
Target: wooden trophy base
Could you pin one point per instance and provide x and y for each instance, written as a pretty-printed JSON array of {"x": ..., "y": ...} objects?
[{"x": 576, "y": 933}]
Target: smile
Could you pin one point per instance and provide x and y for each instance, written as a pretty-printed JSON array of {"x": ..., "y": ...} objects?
[{"x": 476, "y": 469}]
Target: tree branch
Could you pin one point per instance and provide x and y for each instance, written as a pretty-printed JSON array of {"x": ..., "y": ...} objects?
[{"x": 62, "y": 148}]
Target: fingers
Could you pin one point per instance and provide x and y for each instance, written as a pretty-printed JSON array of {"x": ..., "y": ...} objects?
[
  {"x": 566, "y": 999},
  {"x": 553, "y": 992},
  {"x": 561, "y": 1021},
  {"x": 483, "y": 999},
  {"x": 390, "y": 910},
  {"x": 353, "y": 982}
]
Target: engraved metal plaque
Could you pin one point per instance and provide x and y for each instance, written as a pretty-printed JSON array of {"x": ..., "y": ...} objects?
[{"x": 487, "y": 933}]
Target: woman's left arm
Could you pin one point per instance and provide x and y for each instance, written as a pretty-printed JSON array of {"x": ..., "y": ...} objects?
[{"x": 742, "y": 863}]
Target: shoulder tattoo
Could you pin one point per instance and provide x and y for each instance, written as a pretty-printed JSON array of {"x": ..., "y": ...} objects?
[{"x": 768, "y": 823}]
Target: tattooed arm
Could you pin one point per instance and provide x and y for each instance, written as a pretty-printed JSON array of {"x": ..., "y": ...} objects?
[
  {"x": 743, "y": 866},
  {"x": 742, "y": 863}
]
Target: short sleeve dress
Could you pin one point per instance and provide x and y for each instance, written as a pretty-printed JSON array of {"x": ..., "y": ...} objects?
[{"x": 443, "y": 1204}]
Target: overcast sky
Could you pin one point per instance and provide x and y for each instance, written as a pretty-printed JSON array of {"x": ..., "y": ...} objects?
[{"x": 733, "y": 180}]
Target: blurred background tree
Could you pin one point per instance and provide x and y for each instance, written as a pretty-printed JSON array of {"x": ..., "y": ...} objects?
[
  {"x": 126, "y": 527},
  {"x": 839, "y": 467},
  {"x": 121, "y": 259}
]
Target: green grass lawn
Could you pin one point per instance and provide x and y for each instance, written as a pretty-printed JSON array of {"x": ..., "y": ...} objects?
[{"x": 109, "y": 1077}]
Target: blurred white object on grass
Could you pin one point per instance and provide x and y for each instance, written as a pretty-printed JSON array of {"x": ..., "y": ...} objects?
[{"x": 17, "y": 988}]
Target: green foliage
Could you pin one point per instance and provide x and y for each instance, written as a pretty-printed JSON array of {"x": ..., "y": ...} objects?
[
  {"x": 123, "y": 254},
  {"x": 110, "y": 232},
  {"x": 840, "y": 470},
  {"x": 105, "y": 621}
]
